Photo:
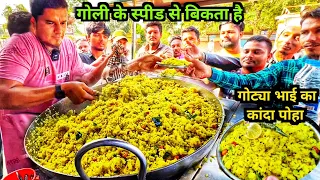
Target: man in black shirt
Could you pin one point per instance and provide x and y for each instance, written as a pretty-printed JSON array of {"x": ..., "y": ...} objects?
[{"x": 97, "y": 35}]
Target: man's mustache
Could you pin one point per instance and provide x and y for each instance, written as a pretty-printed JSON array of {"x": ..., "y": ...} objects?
[
  {"x": 247, "y": 59},
  {"x": 311, "y": 44},
  {"x": 226, "y": 39}
]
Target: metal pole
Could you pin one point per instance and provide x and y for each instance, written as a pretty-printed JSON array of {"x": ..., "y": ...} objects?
[{"x": 134, "y": 35}]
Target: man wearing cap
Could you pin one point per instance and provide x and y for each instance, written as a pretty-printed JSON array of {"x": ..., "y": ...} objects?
[
  {"x": 115, "y": 68},
  {"x": 119, "y": 37}
]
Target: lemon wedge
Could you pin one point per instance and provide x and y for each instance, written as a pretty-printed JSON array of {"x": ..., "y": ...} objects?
[{"x": 254, "y": 131}]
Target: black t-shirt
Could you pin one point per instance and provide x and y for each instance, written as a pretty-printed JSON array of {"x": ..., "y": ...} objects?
[{"x": 87, "y": 58}]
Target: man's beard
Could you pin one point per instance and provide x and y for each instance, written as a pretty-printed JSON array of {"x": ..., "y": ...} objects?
[
  {"x": 314, "y": 56},
  {"x": 284, "y": 53},
  {"x": 228, "y": 44},
  {"x": 99, "y": 49},
  {"x": 54, "y": 46},
  {"x": 154, "y": 44},
  {"x": 312, "y": 53},
  {"x": 177, "y": 54}
]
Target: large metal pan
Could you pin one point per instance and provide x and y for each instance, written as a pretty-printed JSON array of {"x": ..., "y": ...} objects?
[
  {"x": 312, "y": 175},
  {"x": 169, "y": 172}
]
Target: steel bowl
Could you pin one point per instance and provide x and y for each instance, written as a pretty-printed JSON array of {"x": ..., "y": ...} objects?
[{"x": 309, "y": 123}]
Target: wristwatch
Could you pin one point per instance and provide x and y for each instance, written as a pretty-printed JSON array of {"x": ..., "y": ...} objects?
[{"x": 59, "y": 93}]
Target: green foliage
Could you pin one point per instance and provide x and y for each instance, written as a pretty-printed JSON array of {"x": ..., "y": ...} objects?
[
  {"x": 74, "y": 3},
  {"x": 169, "y": 29},
  {"x": 140, "y": 41},
  {"x": 120, "y": 25},
  {"x": 2, "y": 30},
  {"x": 260, "y": 15},
  {"x": 9, "y": 10},
  {"x": 204, "y": 27},
  {"x": 15, "y": 8},
  {"x": 77, "y": 23}
]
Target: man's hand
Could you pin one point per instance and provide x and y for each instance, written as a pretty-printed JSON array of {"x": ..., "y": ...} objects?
[
  {"x": 100, "y": 60},
  {"x": 166, "y": 55},
  {"x": 78, "y": 92},
  {"x": 192, "y": 51},
  {"x": 145, "y": 63},
  {"x": 94, "y": 76},
  {"x": 105, "y": 73},
  {"x": 16, "y": 96},
  {"x": 197, "y": 69}
]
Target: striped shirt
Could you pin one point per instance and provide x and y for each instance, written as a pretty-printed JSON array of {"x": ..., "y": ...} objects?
[
  {"x": 25, "y": 60},
  {"x": 117, "y": 64},
  {"x": 117, "y": 68}
]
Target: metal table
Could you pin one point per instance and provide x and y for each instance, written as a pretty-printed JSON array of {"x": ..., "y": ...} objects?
[{"x": 210, "y": 170}]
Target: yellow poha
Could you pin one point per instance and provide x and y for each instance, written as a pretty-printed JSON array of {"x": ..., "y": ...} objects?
[
  {"x": 271, "y": 153},
  {"x": 170, "y": 73},
  {"x": 176, "y": 62},
  {"x": 188, "y": 120}
]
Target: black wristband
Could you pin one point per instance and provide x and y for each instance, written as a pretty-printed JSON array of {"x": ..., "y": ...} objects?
[{"x": 59, "y": 93}]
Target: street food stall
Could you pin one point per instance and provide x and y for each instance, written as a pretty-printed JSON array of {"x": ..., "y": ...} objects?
[{"x": 184, "y": 131}]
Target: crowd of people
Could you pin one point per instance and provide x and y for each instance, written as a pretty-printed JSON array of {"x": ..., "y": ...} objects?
[{"x": 39, "y": 66}]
